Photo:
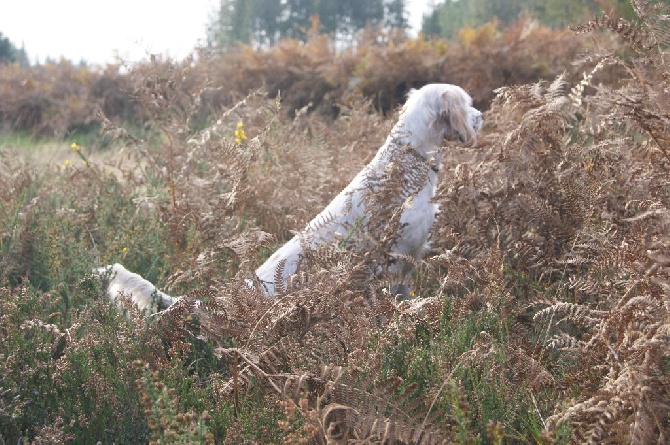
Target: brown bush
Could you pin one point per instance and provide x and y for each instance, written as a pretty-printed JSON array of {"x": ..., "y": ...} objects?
[
  {"x": 56, "y": 99},
  {"x": 384, "y": 65}
]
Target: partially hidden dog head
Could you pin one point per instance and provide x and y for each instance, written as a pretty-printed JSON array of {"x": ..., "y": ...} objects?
[{"x": 441, "y": 111}]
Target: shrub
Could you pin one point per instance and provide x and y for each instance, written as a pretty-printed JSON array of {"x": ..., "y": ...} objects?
[{"x": 61, "y": 99}]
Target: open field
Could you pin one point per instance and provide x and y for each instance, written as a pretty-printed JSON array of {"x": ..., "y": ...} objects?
[
  {"x": 546, "y": 290},
  {"x": 55, "y": 155}
]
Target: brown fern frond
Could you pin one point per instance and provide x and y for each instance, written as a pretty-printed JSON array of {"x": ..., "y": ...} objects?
[
  {"x": 528, "y": 372},
  {"x": 558, "y": 89},
  {"x": 635, "y": 34},
  {"x": 655, "y": 16},
  {"x": 279, "y": 277},
  {"x": 576, "y": 313},
  {"x": 369, "y": 411},
  {"x": 565, "y": 341},
  {"x": 172, "y": 324}
]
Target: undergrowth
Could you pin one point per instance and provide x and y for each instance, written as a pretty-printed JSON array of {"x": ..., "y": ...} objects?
[{"x": 541, "y": 312}]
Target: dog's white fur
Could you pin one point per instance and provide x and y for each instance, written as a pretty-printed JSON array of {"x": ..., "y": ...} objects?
[
  {"x": 142, "y": 292},
  {"x": 431, "y": 114}
]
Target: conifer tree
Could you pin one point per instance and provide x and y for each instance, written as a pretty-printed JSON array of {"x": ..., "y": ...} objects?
[
  {"x": 263, "y": 22},
  {"x": 448, "y": 17}
]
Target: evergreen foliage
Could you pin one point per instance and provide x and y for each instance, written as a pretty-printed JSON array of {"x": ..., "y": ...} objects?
[
  {"x": 446, "y": 18},
  {"x": 264, "y": 22},
  {"x": 10, "y": 53}
]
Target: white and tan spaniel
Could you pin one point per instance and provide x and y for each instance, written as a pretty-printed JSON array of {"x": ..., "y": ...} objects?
[{"x": 431, "y": 114}]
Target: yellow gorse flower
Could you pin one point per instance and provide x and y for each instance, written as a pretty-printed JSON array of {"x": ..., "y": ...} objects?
[
  {"x": 240, "y": 135},
  {"x": 77, "y": 149}
]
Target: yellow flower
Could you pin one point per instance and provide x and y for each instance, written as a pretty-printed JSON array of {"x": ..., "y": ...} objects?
[
  {"x": 124, "y": 250},
  {"x": 75, "y": 146},
  {"x": 240, "y": 135},
  {"x": 65, "y": 165}
]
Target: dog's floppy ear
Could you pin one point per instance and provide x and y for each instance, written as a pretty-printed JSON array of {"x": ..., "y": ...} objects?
[
  {"x": 455, "y": 105},
  {"x": 410, "y": 93}
]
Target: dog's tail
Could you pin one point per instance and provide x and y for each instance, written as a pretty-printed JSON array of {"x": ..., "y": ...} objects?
[{"x": 142, "y": 292}]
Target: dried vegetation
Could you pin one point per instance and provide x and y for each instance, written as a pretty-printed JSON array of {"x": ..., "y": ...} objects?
[{"x": 542, "y": 312}]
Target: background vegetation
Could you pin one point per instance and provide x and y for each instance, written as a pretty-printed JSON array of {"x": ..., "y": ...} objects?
[
  {"x": 62, "y": 99},
  {"x": 541, "y": 311},
  {"x": 449, "y": 17},
  {"x": 10, "y": 53},
  {"x": 263, "y": 22}
]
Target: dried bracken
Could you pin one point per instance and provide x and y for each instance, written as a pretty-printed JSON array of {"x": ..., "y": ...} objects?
[{"x": 541, "y": 313}]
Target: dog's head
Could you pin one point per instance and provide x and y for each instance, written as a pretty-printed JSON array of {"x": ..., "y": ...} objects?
[{"x": 444, "y": 111}]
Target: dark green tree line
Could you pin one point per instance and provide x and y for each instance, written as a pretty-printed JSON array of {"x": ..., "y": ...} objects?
[
  {"x": 448, "y": 17},
  {"x": 264, "y": 22},
  {"x": 10, "y": 53}
]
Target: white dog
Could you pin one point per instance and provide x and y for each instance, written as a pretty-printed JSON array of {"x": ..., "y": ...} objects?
[
  {"x": 142, "y": 292},
  {"x": 431, "y": 114}
]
